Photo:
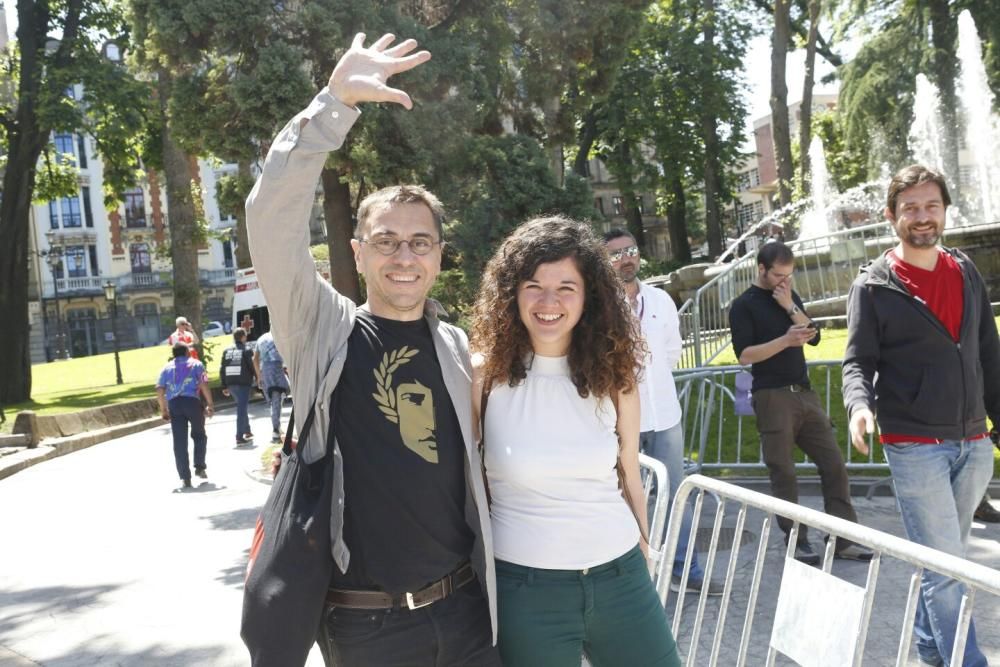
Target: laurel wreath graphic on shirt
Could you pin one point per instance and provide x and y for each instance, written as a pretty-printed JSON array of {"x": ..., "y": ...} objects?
[{"x": 384, "y": 395}]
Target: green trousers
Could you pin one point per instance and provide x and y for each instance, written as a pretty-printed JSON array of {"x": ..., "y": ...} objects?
[{"x": 549, "y": 618}]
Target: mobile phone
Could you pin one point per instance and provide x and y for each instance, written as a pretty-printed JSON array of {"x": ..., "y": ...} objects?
[{"x": 815, "y": 325}]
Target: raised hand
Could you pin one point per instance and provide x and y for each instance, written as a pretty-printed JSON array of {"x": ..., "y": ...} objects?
[
  {"x": 783, "y": 294},
  {"x": 362, "y": 72}
]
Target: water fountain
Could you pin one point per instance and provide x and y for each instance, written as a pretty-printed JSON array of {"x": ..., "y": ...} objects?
[{"x": 982, "y": 125}]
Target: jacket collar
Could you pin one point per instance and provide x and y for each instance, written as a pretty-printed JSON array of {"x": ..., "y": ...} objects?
[{"x": 878, "y": 272}]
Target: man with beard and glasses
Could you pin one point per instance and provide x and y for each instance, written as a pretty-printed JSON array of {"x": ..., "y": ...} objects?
[
  {"x": 923, "y": 358},
  {"x": 413, "y": 577},
  {"x": 661, "y": 429},
  {"x": 770, "y": 325}
]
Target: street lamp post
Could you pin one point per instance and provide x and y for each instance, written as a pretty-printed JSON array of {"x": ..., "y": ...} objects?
[
  {"x": 54, "y": 257},
  {"x": 109, "y": 294}
]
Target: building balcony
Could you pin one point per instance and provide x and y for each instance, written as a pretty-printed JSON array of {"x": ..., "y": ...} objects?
[{"x": 217, "y": 277}]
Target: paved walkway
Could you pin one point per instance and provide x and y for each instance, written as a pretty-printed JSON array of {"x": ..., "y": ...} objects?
[{"x": 104, "y": 561}]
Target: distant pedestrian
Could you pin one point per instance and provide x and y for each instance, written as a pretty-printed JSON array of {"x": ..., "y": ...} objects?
[
  {"x": 184, "y": 334},
  {"x": 181, "y": 382},
  {"x": 271, "y": 379},
  {"x": 238, "y": 378}
]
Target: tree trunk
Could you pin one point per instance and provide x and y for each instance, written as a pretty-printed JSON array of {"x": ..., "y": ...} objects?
[
  {"x": 586, "y": 138},
  {"x": 339, "y": 231},
  {"x": 710, "y": 137},
  {"x": 677, "y": 220},
  {"x": 243, "y": 259},
  {"x": 554, "y": 148},
  {"x": 805, "y": 123},
  {"x": 25, "y": 140},
  {"x": 626, "y": 185},
  {"x": 944, "y": 68},
  {"x": 779, "y": 102},
  {"x": 185, "y": 237},
  {"x": 15, "y": 207}
]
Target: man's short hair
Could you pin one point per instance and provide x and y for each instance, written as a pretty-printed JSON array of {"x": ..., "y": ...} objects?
[
  {"x": 915, "y": 174},
  {"x": 617, "y": 233},
  {"x": 399, "y": 194},
  {"x": 239, "y": 334},
  {"x": 181, "y": 320},
  {"x": 773, "y": 253},
  {"x": 181, "y": 350}
]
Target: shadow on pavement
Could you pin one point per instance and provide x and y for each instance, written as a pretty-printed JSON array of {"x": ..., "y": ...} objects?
[
  {"x": 242, "y": 519},
  {"x": 26, "y": 606},
  {"x": 106, "y": 650},
  {"x": 235, "y": 574}
]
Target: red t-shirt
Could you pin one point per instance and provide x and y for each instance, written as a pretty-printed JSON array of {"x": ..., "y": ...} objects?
[{"x": 941, "y": 290}]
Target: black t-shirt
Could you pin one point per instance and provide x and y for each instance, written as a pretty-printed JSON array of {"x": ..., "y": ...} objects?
[
  {"x": 756, "y": 318},
  {"x": 404, "y": 460}
]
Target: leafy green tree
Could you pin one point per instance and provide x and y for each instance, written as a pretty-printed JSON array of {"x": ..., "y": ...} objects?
[{"x": 38, "y": 73}]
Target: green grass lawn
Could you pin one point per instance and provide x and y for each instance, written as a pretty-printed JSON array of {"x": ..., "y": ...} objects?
[{"x": 88, "y": 382}]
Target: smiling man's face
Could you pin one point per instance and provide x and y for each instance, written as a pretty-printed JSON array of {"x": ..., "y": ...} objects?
[{"x": 398, "y": 284}]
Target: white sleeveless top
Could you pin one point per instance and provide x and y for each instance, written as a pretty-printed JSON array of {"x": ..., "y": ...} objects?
[{"x": 550, "y": 462}]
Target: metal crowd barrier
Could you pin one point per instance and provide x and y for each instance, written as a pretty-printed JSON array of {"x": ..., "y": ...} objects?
[
  {"x": 716, "y": 438},
  {"x": 819, "y": 620}
]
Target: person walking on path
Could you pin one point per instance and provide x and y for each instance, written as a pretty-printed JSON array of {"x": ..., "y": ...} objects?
[
  {"x": 184, "y": 334},
  {"x": 182, "y": 385},
  {"x": 413, "y": 580},
  {"x": 272, "y": 379},
  {"x": 923, "y": 356},
  {"x": 769, "y": 326},
  {"x": 238, "y": 379},
  {"x": 555, "y": 382},
  {"x": 661, "y": 431}
]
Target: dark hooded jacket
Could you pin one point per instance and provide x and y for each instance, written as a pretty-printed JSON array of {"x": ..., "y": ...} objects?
[{"x": 902, "y": 363}]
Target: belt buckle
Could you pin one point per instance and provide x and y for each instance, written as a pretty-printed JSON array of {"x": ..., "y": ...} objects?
[
  {"x": 411, "y": 605},
  {"x": 795, "y": 389}
]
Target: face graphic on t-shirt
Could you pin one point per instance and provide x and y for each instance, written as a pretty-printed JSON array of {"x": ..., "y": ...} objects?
[
  {"x": 415, "y": 405},
  {"x": 407, "y": 404}
]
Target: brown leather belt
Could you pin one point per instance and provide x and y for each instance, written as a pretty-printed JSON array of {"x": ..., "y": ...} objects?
[{"x": 439, "y": 590}]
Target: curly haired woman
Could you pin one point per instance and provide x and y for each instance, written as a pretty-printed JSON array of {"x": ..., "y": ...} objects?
[{"x": 555, "y": 373}]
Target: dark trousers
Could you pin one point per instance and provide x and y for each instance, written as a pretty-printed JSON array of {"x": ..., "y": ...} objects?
[
  {"x": 241, "y": 394},
  {"x": 185, "y": 410},
  {"x": 452, "y": 632},
  {"x": 786, "y": 419}
]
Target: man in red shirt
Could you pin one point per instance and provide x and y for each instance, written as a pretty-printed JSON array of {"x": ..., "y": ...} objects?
[
  {"x": 924, "y": 355},
  {"x": 184, "y": 334}
]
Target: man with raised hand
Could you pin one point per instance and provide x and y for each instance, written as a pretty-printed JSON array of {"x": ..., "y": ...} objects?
[
  {"x": 413, "y": 579},
  {"x": 924, "y": 356}
]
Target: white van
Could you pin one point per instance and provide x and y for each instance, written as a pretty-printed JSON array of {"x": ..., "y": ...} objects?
[{"x": 249, "y": 307}]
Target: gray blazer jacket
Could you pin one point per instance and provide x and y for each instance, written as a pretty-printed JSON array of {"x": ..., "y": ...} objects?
[{"x": 311, "y": 322}]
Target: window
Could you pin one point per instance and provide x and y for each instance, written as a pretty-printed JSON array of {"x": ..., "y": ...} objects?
[
  {"x": 139, "y": 253},
  {"x": 616, "y": 205},
  {"x": 53, "y": 215},
  {"x": 64, "y": 146},
  {"x": 639, "y": 204},
  {"x": 227, "y": 254},
  {"x": 754, "y": 177},
  {"x": 135, "y": 209},
  {"x": 599, "y": 204},
  {"x": 71, "y": 212},
  {"x": 81, "y": 151},
  {"x": 88, "y": 215},
  {"x": 75, "y": 259},
  {"x": 92, "y": 252}
]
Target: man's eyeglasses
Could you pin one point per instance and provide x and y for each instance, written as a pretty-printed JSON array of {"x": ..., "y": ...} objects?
[
  {"x": 388, "y": 245},
  {"x": 631, "y": 251}
]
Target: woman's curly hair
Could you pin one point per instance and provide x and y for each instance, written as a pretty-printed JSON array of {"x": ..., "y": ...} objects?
[{"x": 606, "y": 346}]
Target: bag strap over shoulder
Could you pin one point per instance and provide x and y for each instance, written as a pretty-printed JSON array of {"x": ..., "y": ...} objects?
[{"x": 487, "y": 387}]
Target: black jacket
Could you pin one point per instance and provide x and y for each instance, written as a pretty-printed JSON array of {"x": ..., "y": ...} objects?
[
  {"x": 237, "y": 366},
  {"x": 927, "y": 384}
]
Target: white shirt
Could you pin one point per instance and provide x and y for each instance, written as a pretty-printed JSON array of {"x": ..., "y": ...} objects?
[
  {"x": 550, "y": 462},
  {"x": 661, "y": 328}
]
